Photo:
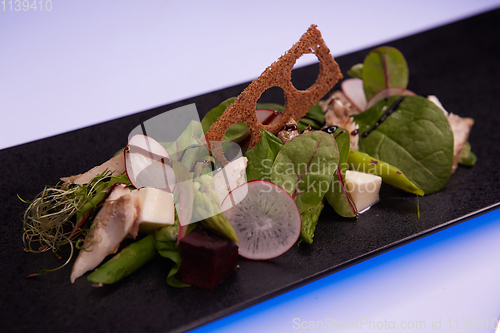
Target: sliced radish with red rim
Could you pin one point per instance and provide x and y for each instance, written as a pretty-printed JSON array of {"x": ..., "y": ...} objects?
[
  {"x": 354, "y": 92},
  {"x": 268, "y": 117},
  {"x": 266, "y": 219},
  {"x": 382, "y": 94},
  {"x": 147, "y": 163}
]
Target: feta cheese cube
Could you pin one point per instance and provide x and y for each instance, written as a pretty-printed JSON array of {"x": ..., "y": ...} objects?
[
  {"x": 364, "y": 188},
  {"x": 229, "y": 178},
  {"x": 156, "y": 209}
]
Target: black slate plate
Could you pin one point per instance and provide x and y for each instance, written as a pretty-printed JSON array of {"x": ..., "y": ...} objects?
[{"x": 458, "y": 62}]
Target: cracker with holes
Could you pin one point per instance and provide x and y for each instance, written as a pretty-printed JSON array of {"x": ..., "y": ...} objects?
[{"x": 279, "y": 74}]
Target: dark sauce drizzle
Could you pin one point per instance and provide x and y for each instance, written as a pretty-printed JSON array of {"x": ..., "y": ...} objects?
[
  {"x": 290, "y": 127},
  {"x": 332, "y": 130},
  {"x": 387, "y": 113}
]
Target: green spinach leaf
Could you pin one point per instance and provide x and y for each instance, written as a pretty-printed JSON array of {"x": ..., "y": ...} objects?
[
  {"x": 384, "y": 67},
  {"x": 304, "y": 168},
  {"x": 416, "y": 138}
]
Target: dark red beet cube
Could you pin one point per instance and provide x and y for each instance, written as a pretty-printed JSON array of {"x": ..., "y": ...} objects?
[{"x": 206, "y": 258}]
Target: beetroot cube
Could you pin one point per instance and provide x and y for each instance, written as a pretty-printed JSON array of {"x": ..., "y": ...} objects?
[{"x": 206, "y": 258}]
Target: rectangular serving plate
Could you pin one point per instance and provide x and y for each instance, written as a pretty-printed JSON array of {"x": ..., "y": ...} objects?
[{"x": 457, "y": 62}]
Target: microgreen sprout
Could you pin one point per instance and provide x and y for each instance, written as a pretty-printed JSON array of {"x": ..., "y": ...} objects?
[{"x": 55, "y": 217}]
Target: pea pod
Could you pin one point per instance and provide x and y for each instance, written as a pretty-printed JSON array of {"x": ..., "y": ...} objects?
[
  {"x": 125, "y": 262},
  {"x": 391, "y": 175}
]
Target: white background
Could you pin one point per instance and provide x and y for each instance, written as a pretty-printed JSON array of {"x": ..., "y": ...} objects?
[{"x": 84, "y": 62}]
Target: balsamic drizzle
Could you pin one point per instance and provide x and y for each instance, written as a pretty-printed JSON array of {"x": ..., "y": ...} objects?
[
  {"x": 388, "y": 112},
  {"x": 290, "y": 127},
  {"x": 184, "y": 151},
  {"x": 332, "y": 130}
]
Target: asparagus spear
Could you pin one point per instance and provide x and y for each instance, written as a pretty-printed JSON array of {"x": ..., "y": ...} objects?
[
  {"x": 125, "y": 262},
  {"x": 206, "y": 208}
]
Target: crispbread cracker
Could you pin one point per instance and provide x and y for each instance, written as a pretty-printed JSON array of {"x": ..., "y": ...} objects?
[{"x": 279, "y": 74}]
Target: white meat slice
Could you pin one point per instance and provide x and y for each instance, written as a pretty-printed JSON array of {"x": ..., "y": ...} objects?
[
  {"x": 337, "y": 114},
  {"x": 115, "y": 220},
  {"x": 461, "y": 128},
  {"x": 115, "y": 165}
]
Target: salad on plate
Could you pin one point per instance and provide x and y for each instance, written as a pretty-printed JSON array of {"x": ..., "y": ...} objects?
[{"x": 250, "y": 180}]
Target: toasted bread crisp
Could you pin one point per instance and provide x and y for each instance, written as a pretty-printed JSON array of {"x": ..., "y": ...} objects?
[{"x": 279, "y": 74}]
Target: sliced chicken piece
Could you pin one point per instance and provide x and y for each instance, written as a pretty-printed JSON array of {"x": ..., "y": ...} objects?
[
  {"x": 337, "y": 114},
  {"x": 116, "y": 165},
  {"x": 461, "y": 128},
  {"x": 289, "y": 131},
  {"x": 115, "y": 220},
  {"x": 338, "y": 94}
]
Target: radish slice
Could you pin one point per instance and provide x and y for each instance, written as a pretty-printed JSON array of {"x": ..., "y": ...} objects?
[
  {"x": 147, "y": 164},
  {"x": 355, "y": 93},
  {"x": 266, "y": 219},
  {"x": 392, "y": 91},
  {"x": 268, "y": 117}
]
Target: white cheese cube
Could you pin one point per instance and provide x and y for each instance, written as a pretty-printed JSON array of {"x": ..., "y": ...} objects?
[
  {"x": 364, "y": 189},
  {"x": 156, "y": 209},
  {"x": 229, "y": 178}
]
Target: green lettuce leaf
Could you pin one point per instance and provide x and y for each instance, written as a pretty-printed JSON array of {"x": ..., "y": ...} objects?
[
  {"x": 261, "y": 157},
  {"x": 467, "y": 156},
  {"x": 270, "y": 106},
  {"x": 416, "y": 138},
  {"x": 214, "y": 114},
  {"x": 309, "y": 221},
  {"x": 170, "y": 251},
  {"x": 356, "y": 71},
  {"x": 315, "y": 117},
  {"x": 304, "y": 168},
  {"x": 166, "y": 245}
]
